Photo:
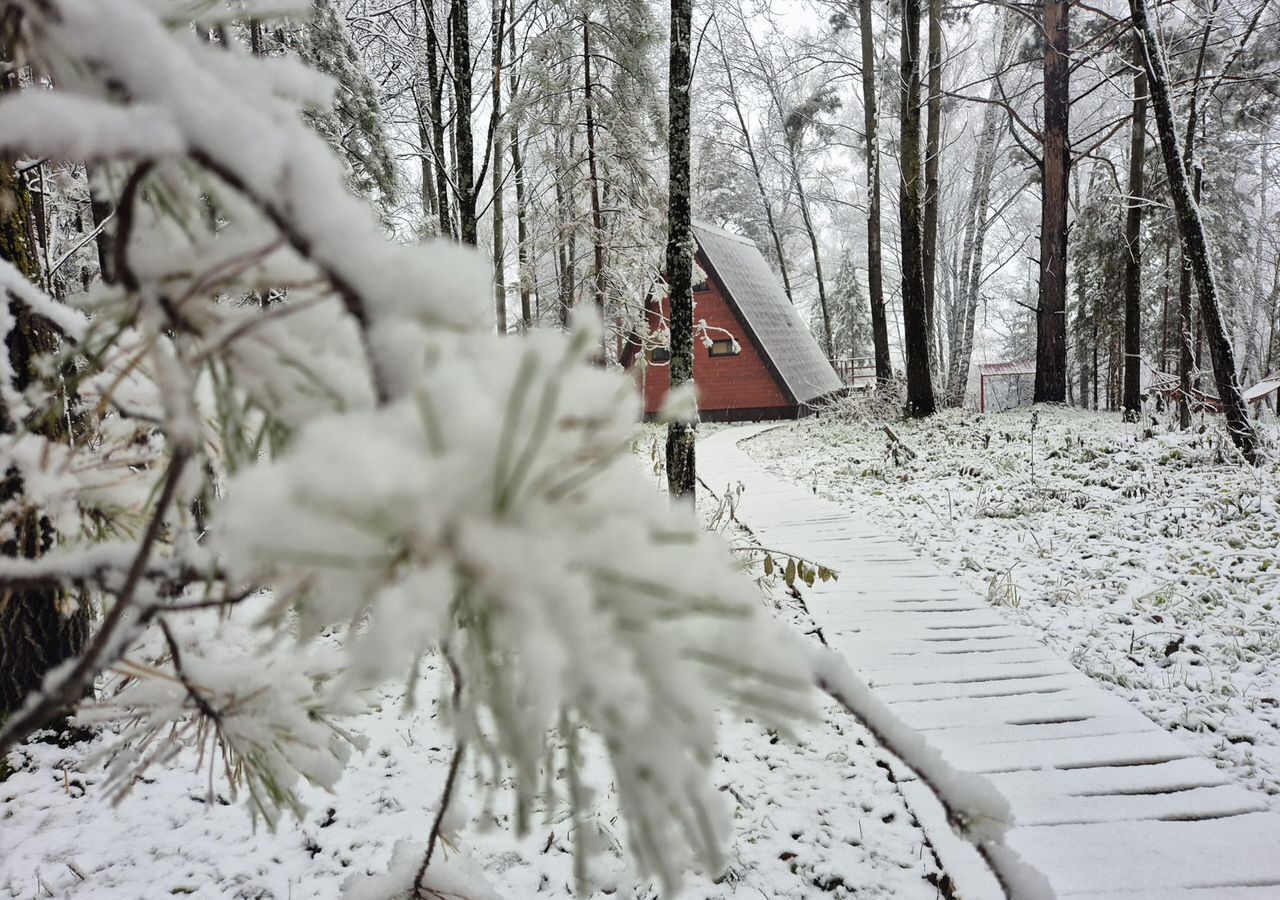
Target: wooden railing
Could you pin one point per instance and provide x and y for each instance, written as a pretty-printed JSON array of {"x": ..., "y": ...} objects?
[{"x": 856, "y": 371}]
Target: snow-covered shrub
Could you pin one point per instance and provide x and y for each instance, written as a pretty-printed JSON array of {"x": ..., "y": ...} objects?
[{"x": 402, "y": 481}]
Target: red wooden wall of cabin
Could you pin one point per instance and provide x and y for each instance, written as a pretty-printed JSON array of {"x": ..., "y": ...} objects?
[{"x": 724, "y": 382}]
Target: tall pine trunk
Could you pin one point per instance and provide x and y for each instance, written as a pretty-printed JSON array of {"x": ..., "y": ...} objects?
[
  {"x": 1186, "y": 343},
  {"x": 593, "y": 173},
  {"x": 464, "y": 144},
  {"x": 435, "y": 87},
  {"x": 499, "y": 210},
  {"x": 430, "y": 215},
  {"x": 566, "y": 232},
  {"x": 1132, "y": 401},
  {"x": 522, "y": 210},
  {"x": 915, "y": 315},
  {"x": 932, "y": 158},
  {"x": 681, "y": 435},
  {"x": 875, "y": 264},
  {"x": 1195, "y": 242},
  {"x": 1051, "y": 315}
]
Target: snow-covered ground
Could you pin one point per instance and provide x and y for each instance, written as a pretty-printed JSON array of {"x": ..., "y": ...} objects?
[
  {"x": 1151, "y": 560},
  {"x": 819, "y": 817}
]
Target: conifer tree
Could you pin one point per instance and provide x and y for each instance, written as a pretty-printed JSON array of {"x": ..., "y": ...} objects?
[{"x": 354, "y": 124}]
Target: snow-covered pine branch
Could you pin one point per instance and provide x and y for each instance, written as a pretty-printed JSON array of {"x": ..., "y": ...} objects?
[{"x": 405, "y": 482}]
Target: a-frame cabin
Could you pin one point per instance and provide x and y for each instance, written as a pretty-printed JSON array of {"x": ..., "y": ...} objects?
[{"x": 762, "y": 362}]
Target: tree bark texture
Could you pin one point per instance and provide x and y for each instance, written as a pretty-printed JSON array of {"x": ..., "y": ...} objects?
[
  {"x": 1195, "y": 242},
  {"x": 435, "y": 87},
  {"x": 464, "y": 144},
  {"x": 497, "y": 175},
  {"x": 1132, "y": 400},
  {"x": 932, "y": 158},
  {"x": 1051, "y": 331},
  {"x": 681, "y": 461},
  {"x": 593, "y": 173},
  {"x": 875, "y": 264},
  {"x": 522, "y": 200},
  {"x": 915, "y": 316}
]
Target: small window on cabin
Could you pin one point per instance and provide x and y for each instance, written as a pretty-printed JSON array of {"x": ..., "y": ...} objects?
[
  {"x": 726, "y": 347},
  {"x": 659, "y": 355},
  {"x": 699, "y": 279}
]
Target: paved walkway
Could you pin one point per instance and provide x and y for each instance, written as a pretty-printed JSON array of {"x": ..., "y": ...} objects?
[{"x": 1106, "y": 804}]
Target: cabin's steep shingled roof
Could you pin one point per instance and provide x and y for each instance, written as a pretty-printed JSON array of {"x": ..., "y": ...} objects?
[{"x": 780, "y": 333}]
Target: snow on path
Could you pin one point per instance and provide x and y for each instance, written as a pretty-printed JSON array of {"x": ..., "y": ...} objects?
[{"x": 1106, "y": 804}]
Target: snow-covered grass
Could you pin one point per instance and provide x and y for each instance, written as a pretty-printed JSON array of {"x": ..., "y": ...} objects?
[
  {"x": 1150, "y": 559},
  {"x": 816, "y": 815},
  {"x": 814, "y": 818}
]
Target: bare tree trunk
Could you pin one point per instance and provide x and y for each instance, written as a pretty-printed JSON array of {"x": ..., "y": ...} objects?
[
  {"x": 100, "y": 211},
  {"x": 1187, "y": 351},
  {"x": 435, "y": 87},
  {"x": 1051, "y": 332},
  {"x": 681, "y": 464},
  {"x": 875, "y": 259},
  {"x": 755, "y": 168},
  {"x": 977, "y": 223},
  {"x": 499, "y": 210},
  {"x": 430, "y": 215},
  {"x": 915, "y": 315},
  {"x": 1164, "y": 312},
  {"x": 1185, "y": 346},
  {"x": 1195, "y": 242},
  {"x": 1273, "y": 342},
  {"x": 593, "y": 175},
  {"x": 932, "y": 157},
  {"x": 1082, "y": 345},
  {"x": 525, "y": 275},
  {"x": 1096, "y": 319},
  {"x": 1132, "y": 403},
  {"x": 791, "y": 139},
  {"x": 566, "y": 208},
  {"x": 522, "y": 211},
  {"x": 827, "y": 340},
  {"x": 465, "y": 146}
]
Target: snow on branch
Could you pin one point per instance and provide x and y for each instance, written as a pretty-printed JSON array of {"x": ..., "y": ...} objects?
[{"x": 276, "y": 395}]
